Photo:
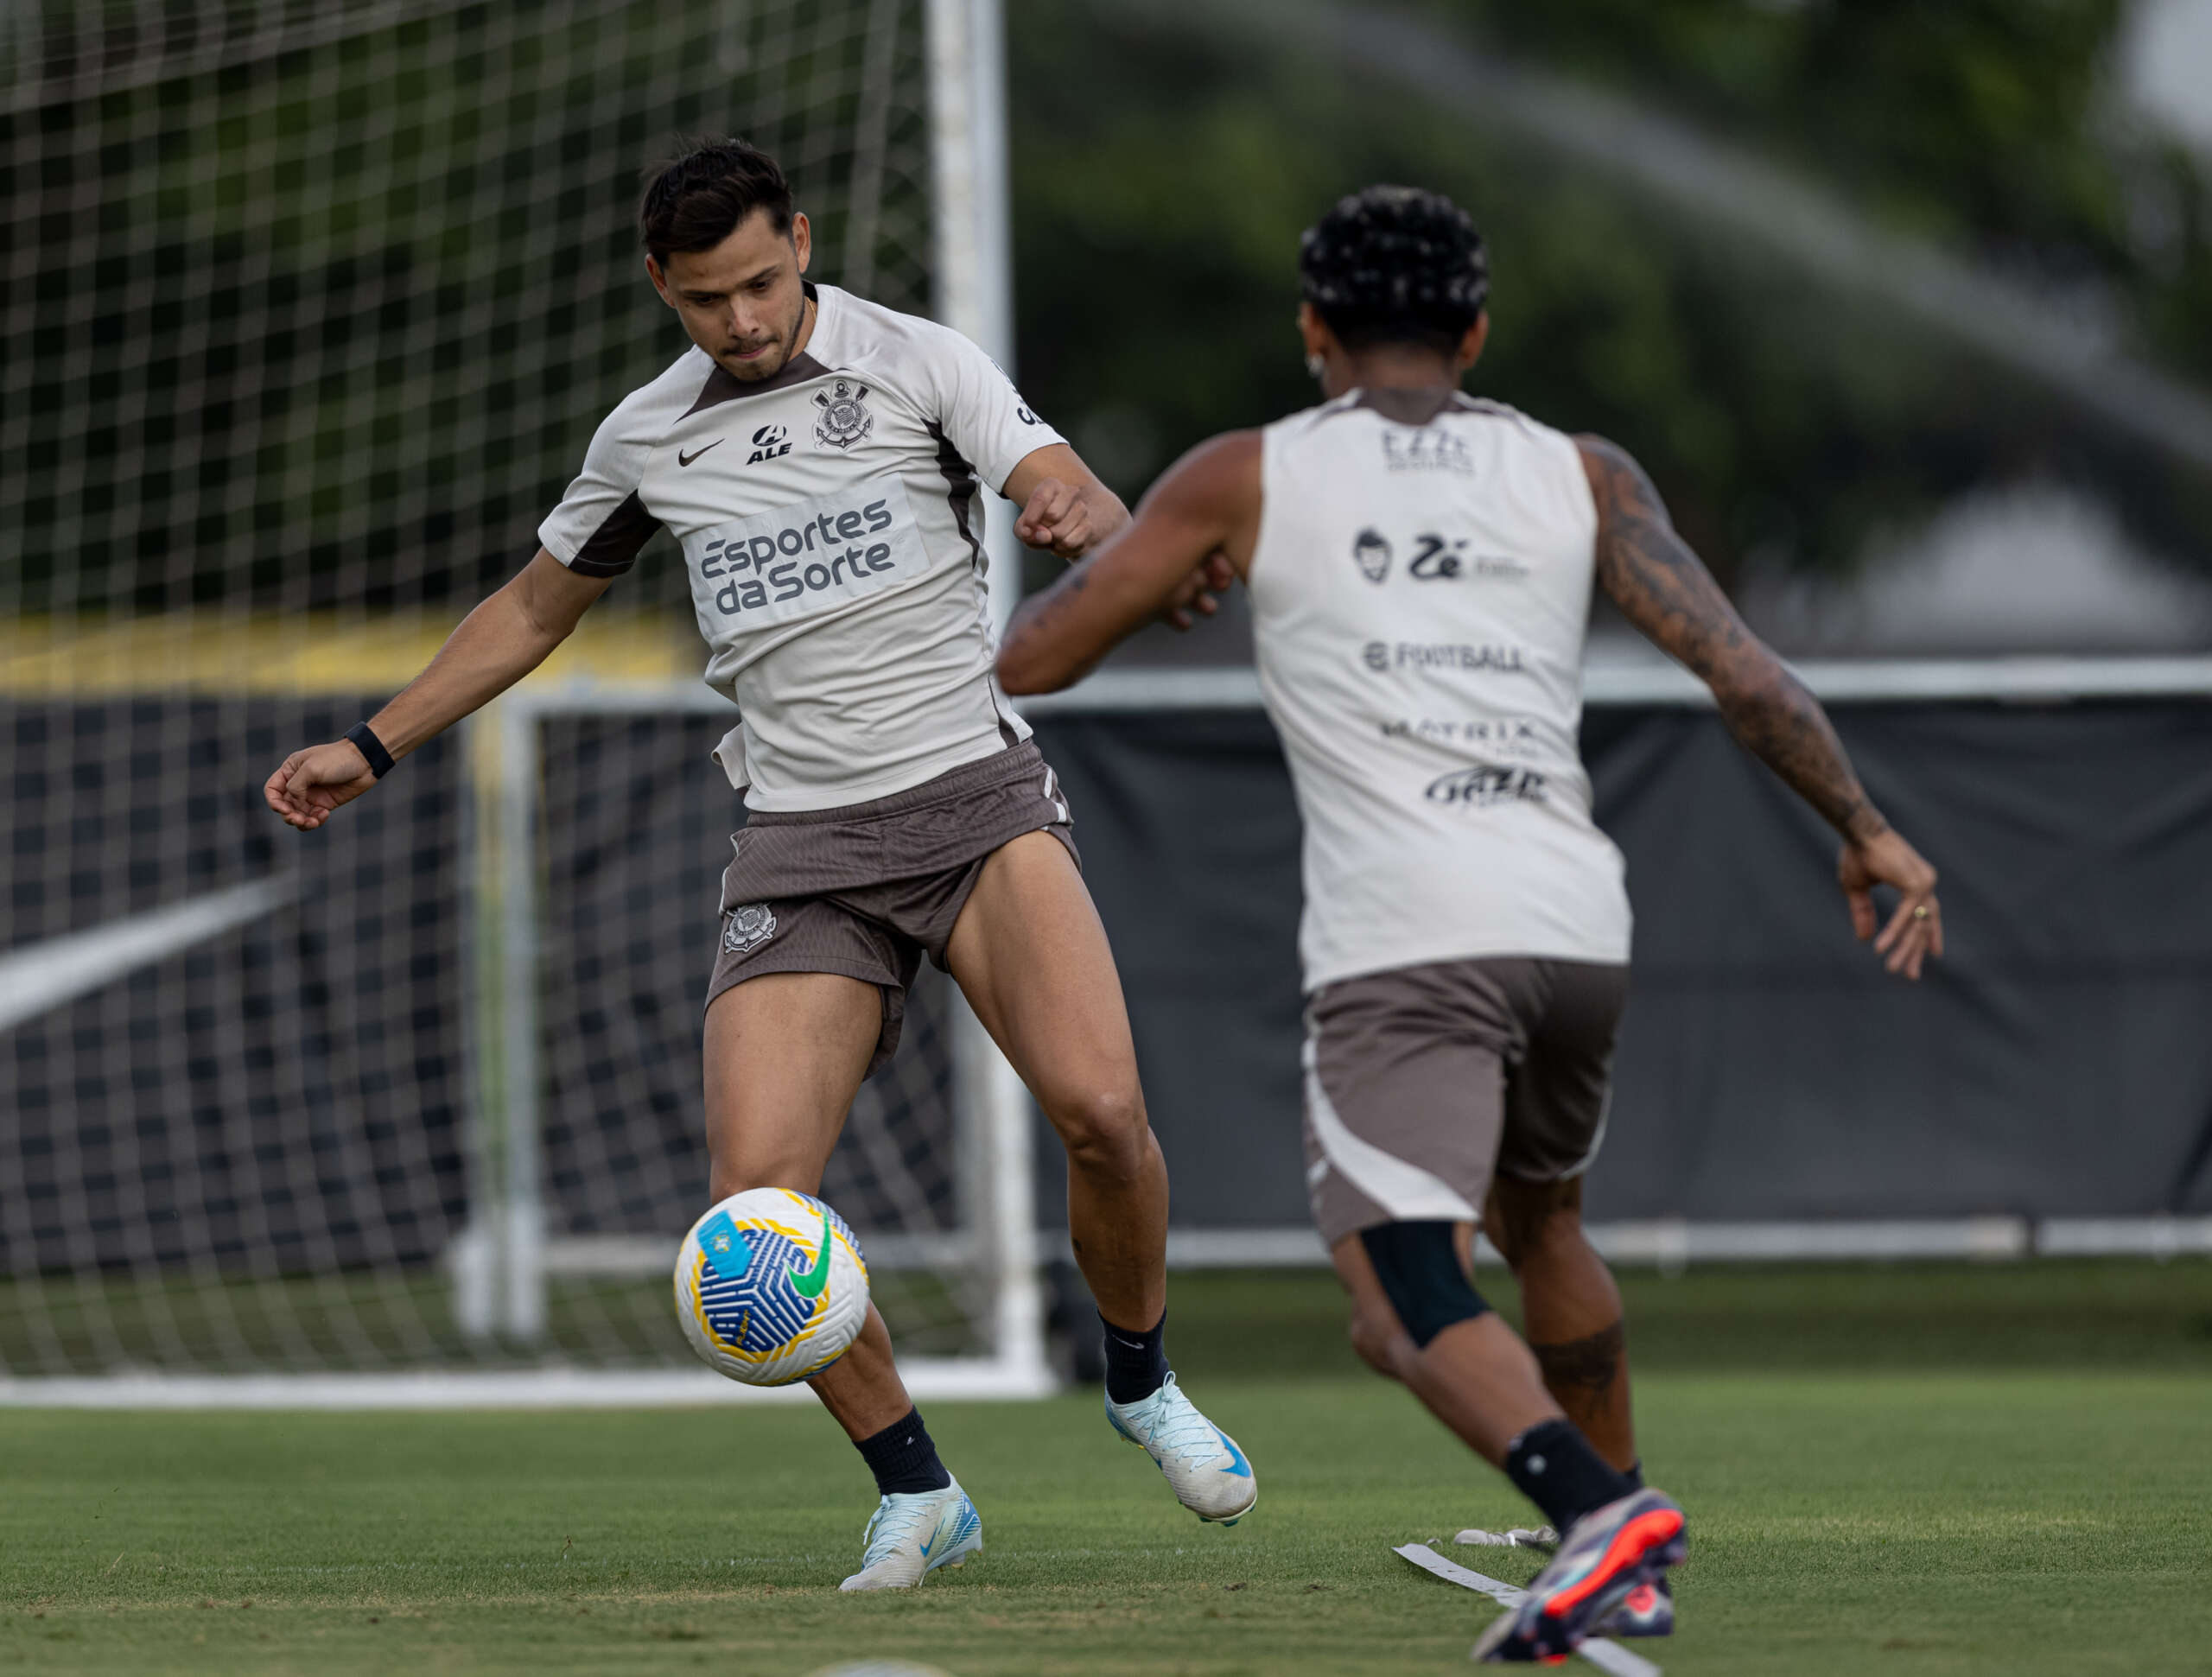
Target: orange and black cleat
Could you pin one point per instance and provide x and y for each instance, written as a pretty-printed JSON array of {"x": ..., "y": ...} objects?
[{"x": 1608, "y": 1556}]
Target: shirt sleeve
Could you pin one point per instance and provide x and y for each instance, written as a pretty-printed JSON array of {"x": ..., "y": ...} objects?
[
  {"x": 601, "y": 522},
  {"x": 982, "y": 413}
]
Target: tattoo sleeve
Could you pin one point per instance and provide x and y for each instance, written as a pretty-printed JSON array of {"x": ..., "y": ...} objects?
[{"x": 1661, "y": 586}]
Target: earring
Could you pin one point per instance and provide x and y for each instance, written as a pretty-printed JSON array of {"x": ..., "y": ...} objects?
[{"x": 1314, "y": 368}]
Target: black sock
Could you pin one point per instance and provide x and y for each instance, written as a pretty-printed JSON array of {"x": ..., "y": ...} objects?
[
  {"x": 902, "y": 1457},
  {"x": 1136, "y": 1363},
  {"x": 1554, "y": 1466}
]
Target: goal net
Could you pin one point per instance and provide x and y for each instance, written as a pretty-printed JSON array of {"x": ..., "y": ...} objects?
[{"x": 310, "y": 309}]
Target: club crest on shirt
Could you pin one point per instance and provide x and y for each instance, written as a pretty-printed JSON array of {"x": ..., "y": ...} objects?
[
  {"x": 844, "y": 418},
  {"x": 748, "y": 928}
]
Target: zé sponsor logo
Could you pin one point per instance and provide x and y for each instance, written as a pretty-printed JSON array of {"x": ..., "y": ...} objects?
[
  {"x": 769, "y": 442},
  {"x": 1482, "y": 784},
  {"x": 1445, "y": 559},
  {"x": 799, "y": 559}
]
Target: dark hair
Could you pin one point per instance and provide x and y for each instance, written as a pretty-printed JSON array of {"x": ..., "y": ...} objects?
[
  {"x": 1394, "y": 265},
  {"x": 697, "y": 199}
]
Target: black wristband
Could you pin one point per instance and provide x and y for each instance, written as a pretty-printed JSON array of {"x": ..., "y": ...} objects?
[{"x": 365, "y": 741}]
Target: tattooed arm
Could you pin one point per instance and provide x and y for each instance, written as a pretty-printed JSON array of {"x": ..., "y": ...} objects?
[{"x": 1660, "y": 586}]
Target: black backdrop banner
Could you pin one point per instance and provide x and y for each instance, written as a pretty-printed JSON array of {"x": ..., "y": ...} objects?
[{"x": 2058, "y": 1061}]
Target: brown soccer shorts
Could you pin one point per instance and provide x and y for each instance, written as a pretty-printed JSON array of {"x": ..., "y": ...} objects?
[
  {"x": 1421, "y": 1081},
  {"x": 867, "y": 889}
]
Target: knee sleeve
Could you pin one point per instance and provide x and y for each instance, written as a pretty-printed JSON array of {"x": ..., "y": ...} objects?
[{"x": 1418, "y": 1264}]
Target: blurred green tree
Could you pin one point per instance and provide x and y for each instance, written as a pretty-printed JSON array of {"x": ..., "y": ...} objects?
[{"x": 1161, "y": 179}]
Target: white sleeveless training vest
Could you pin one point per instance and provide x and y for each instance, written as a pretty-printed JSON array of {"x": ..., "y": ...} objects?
[{"x": 1421, "y": 593}]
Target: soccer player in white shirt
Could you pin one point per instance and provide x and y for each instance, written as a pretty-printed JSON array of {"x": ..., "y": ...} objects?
[
  {"x": 818, "y": 459},
  {"x": 1421, "y": 565}
]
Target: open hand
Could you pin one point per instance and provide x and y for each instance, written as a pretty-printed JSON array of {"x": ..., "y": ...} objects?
[
  {"x": 1916, "y": 930},
  {"x": 1199, "y": 592},
  {"x": 314, "y": 781}
]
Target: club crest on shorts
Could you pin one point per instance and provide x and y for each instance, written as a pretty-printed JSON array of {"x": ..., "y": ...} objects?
[
  {"x": 748, "y": 927},
  {"x": 845, "y": 417}
]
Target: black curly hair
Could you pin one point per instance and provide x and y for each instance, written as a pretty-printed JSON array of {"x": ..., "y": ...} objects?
[
  {"x": 695, "y": 200},
  {"x": 1395, "y": 265}
]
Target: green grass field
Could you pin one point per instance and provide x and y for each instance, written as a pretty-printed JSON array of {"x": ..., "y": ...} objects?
[{"x": 1908, "y": 1471}]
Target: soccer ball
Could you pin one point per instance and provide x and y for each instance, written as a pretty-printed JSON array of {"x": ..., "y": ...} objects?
[{"x": 770, "y": 1286}]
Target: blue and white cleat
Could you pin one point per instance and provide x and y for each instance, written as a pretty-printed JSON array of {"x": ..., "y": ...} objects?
[
  {"x": 910, "y": 1535},
  {"x": 1211, "y": 1476},
  {"x": 1646, "y": 1610},
  {"x": 1607, "y": 1555}
]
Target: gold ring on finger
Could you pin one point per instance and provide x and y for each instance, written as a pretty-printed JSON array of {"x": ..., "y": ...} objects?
[{"x": 1920, "y": 912}]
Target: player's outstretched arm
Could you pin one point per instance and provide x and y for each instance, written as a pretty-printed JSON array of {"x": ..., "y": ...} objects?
[
  {"x": 1661, "y": 586},
  {"x": 1191, "y": 535},
  {"x": 495, "y": 646}
]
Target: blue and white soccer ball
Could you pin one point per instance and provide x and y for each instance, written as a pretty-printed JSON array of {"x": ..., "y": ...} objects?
[{"x": 770, "y": 1286}]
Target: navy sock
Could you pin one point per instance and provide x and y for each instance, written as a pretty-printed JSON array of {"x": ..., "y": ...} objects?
[
  {"x": 1554, "y": 1466},
  {"x": 1136, "y": 1363},
  {"x": 902, "y": 1457}
]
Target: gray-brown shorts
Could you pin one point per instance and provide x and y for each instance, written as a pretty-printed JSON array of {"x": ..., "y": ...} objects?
[
  {"x": 1421, "y": 1083},
  {"x": 867, "y": 889}
]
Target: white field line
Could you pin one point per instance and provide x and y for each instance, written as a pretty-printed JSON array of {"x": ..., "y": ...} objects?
[
  {"x": 1606, "y": 1655},
  {"x": 965, "y": 1380},
  {"x": 38, "y": 977}
]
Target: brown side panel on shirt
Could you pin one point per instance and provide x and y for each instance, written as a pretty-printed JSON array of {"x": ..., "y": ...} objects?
[{"x": 613, "y": 546}]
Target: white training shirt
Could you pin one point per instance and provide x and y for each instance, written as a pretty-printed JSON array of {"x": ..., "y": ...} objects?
[
  {"x": 1421, "y": 593},
  {"x": 830, "y": 520}
]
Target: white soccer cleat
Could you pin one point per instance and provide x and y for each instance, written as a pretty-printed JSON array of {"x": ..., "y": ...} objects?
[
  {"x": 911, "y": 1534},
  {"x": 1209, "y": 1474}
]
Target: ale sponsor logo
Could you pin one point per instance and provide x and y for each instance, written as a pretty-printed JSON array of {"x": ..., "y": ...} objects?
[{"x": 769, "y": 442}]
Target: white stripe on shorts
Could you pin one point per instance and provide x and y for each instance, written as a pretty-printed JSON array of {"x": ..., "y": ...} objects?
[{"x": 1407, "y": 1193}]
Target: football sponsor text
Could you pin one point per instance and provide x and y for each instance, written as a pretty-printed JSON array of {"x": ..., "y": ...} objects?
[{"x": 1383, "y": 655}]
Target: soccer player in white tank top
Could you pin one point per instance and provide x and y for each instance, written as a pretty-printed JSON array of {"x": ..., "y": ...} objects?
[
  {"x": 819, "y": 458},
  {"x": 1420, "y": 566}
]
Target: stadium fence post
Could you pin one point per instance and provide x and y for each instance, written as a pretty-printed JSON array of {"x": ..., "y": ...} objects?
[
  {"x": 472, "y": 1256},
  {"x": 521, "y": 1219}
]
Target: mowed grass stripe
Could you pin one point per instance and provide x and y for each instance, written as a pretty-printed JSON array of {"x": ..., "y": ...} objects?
[{"x": 1896, "y": 1523}]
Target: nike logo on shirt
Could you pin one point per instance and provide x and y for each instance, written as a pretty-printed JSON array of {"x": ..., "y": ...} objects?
[{"x": 682, "y": 459}]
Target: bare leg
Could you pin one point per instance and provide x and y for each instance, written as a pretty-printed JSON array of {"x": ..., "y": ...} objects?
[
  {"x": 1030, "y": 954},
  {"x": 1570, "y": 1307},
  {"x": 1476, "y": 1376},
  {"x": 786, "y": 1054}
]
